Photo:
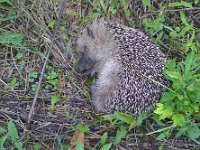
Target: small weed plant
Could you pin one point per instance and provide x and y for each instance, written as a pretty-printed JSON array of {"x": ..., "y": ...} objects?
[{"x": 181, "y": 104}]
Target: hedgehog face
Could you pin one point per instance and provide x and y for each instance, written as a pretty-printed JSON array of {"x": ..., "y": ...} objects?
[
  {"x": 95, "y": 46},
  {"x": 85, "y": 63}
]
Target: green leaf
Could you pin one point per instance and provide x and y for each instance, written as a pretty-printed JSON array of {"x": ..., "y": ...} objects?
[
  {"x": 83, "y": 128},
  {"x": 184, "y": 18},
  {"x": 157, "y": 120},
  {"x": 168, "y": 96},
  {"x": 108, "y": 117},
  {"x": 129, "y": 119},
  {"x": 19, "y": 145},
  {"x": 162, "y": 136},
  {"x": 90, "y": 82},
  {"x": 36, "y": 146},
  {"x": 52, "y": 24},
  {"x": 194, "y": 133},
  {"x": 156, "y": 24},
  {"x": 54, "y": 100},
  {"x": 146, "y": 2},
  {"x": 173, "y": 74},
  {"x": 179, "y": 120},
  {"x": 12, "y": 83},
  {"x": 12, "y": 131},
  {"x": 6, "y": 1},
  {"x": 164, "y": 112},
  {"x": 139, "y": 119},
  {"x": 2, "y": 130},
  {"x": 181, "y": 131},
  {"x": 159, "y": 36},
  {"x": 159, "y": 109},
  {"x": 2, "y": 141},
  {"x": 106, "y": 147},
  {"x": 79, "y": 146},
  {"x": 104, "y": 138},
  {"x": 93, "y": 15},
  {"x": 19, "y": 55},
  {"x": 179, "y": 4},
  {"x": 103, "y": 6},
  {"x": 184, "y": 30},
  {"x": 112, "y": 10},
  {"x": 121, "y": 133},
  {"x": 11, "y": 38}
]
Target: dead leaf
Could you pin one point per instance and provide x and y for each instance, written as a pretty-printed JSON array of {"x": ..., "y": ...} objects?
[{"x": 77, "y": 139}]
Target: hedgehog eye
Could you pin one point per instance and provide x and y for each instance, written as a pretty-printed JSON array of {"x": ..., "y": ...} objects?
[
  {"x": 90, "y": 33},
  {"x": 85, "y": 48}
]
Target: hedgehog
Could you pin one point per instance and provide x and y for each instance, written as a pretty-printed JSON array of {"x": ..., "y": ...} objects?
[{"x": 128, "y": 67}]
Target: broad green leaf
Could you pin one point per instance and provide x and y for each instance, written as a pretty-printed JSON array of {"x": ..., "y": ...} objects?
[
  {"x": 121, "y": 133},
  {"x": 104, "y": 138},
  {"x": 106, "y": 147},
  {"x": 178, "y": 119},
  {"x": 83, "y": 128},
  {"x": 194, "y": 133},
  {"x": 159, "y": 109},
  {"x": 12, "y": 131},
  {"x": 164, "y": 112}
]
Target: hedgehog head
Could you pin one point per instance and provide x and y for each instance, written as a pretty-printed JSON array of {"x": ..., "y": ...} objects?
[{"x": 94, "y": 46}]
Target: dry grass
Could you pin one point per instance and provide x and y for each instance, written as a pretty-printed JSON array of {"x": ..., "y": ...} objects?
[{"x": 36, "y": 21}]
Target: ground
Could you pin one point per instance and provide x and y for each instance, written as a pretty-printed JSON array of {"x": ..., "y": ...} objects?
[{"x": 63, "y": 115}]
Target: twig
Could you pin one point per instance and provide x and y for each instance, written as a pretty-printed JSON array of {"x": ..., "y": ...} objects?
[
  {"x": 45, "y": 63},
  {"x": 3, "y": 82}
]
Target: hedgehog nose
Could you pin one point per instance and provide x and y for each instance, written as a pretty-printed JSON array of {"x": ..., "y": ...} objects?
[{"x": 84, "y": 63}]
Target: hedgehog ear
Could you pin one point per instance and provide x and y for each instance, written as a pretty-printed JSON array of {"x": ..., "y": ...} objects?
[
  {"x": 89, "y": 32},
  {"x": 85, "y": 48}
]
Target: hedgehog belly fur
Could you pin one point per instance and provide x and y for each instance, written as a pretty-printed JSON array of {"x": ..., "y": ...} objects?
[{"x": 128, "y": 65}]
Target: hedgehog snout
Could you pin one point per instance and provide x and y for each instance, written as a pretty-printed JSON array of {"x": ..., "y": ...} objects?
[{"x": 85, "y": 63}]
